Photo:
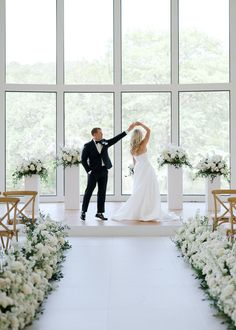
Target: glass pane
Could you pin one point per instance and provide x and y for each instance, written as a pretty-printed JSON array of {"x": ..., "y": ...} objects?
[
  {"x": 82, "y": 113},
  {"x": 154, "y": 110},
  {"x": 88, "y": 42},
  {"x": 146, "y": 42},
  {"x": 204, "y": 41},
  {"x": 31, "y": 41},
  {"x": 204, "y": 128},
  {"x": 31, "y": 132}
]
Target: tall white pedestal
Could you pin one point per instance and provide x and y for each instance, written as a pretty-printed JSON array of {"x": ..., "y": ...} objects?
[
  {"x": 175, "y": 188},
  {"x": 72, "y": 188},
  {"x": 32, "y": 184},
  {"x": 211, "y": 185}
]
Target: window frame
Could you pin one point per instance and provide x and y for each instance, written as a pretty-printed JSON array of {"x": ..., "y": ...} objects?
[{"x": 117, "y": 88}]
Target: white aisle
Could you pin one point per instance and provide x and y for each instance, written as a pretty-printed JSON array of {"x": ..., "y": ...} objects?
[{"x": 126, "y": 283}]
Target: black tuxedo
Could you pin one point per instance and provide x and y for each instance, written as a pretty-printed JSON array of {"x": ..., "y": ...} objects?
[{"x": 92, "y": 161}]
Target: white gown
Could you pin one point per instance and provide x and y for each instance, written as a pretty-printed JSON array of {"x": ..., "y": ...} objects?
[{"x": 145, "y": 202}]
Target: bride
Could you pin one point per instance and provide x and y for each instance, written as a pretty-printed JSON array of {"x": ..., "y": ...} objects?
[{"x": 145, "y": 202}]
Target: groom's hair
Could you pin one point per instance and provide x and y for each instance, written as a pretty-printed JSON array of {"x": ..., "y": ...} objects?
[{"x": 94, "y": 130}]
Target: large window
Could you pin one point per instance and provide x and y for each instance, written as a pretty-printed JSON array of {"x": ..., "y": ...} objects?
[
  {"x": 31, "y": 133},
  {"x": 83, "y": 111},
  {"x": 204, "y": 41},
  {"x": 31, "y": 41},
  {"x": 67, "y": 66},
  {"x": 88, "y": 42},
  {"x": 153, "y": 109},
  {"x": 146, "y": 42},
  {"x": 204, "y": 129}
]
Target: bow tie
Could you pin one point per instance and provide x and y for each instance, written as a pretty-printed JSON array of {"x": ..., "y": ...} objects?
[{"x": 98, "y": 142}]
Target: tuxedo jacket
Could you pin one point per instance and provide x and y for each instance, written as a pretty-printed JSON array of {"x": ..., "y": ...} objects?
[{"x": 92, "y": 159}]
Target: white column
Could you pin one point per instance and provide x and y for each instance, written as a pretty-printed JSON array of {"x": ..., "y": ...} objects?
[
  {"x": 232, "y": 21},
  {"x": 72, "y": 188},
  {"x": 32, "y": 184},
  {"x": 2, "y": 95},
  {"x": 211, "y": 185},
  {"x": 175, "y": 188}
]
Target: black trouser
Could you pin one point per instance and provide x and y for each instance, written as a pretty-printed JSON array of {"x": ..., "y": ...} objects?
[{"x": 96, "y": 177}]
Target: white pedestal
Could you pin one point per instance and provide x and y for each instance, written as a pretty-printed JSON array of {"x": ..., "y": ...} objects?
[
  {"x": 215, "y": 184},
  {"x": 72, "y": 188},
  {"x": 175, "y": 188},
  {"x": 32, "y": 184}
]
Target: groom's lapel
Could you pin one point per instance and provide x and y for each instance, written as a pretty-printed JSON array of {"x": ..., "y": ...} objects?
[{"x": 93, "y": 146}]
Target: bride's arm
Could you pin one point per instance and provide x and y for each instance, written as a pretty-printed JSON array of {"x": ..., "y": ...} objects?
[{"x": 147, "y": 135}]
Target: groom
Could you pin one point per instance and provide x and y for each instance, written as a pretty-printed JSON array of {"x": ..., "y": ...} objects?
[{"x": 96, "y": 162}]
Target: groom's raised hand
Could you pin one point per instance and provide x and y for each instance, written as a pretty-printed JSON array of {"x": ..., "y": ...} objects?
[{"x": 131, "y": 127}]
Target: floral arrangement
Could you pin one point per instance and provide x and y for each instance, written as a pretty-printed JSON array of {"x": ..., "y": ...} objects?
[
  {"x": 30, "y": 167},
  {"x": 174, "y": 155},
  {"x": 213, "y": 258},
  {"x": 68, "y": 157},
  {"x": 212, "y": 166},
  {"x": 29, "y": 269}
]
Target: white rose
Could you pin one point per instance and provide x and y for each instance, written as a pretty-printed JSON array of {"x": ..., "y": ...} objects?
[
  {"x": 69, "y": 158},
  {"x": 39, "y": 168},
  {"x": 26, "y": 289},
  {"x": 4, "y": 300},
  {"x": 32, "y": 167},
  {"x": 41, "y": 226},
  {"x": 17, "y": 266},
  {"x": 227, "y": 291}
]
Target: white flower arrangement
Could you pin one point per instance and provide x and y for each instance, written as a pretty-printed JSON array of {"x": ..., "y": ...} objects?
[
  {"x": 174, "y": 155},
  {"x": 30, "y": 167},
  {"x": 69, "y": 157},
  {"x": 213, "y": 258},
  {"x": 212, "y": 166},
  {"x": 29, "y": 268}
]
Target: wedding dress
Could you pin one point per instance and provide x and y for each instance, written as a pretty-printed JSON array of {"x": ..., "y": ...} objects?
[{"x": 145, "y": 202}]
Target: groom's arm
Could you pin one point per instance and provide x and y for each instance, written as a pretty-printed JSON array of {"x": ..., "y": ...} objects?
[
  {"x": 116, "y": 138},
  {"x": 84, "y": 158},
  {"x": 120, "y": 136}
]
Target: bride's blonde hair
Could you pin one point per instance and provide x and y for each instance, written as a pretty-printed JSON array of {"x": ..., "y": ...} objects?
[{"x": 135, "y": 140}]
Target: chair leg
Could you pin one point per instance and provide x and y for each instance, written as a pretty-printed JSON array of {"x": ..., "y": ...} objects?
[
  {"x": 3, "y": 244},
  {"x": 7, "y": 243}
]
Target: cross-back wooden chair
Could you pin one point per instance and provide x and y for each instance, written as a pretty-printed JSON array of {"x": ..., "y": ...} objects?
[
  {"x": 8, "y": 210},
  {"x": 26, "y": 206},
  {"x": 221, "y": 206},
  {"x": 232, "y": 206}
]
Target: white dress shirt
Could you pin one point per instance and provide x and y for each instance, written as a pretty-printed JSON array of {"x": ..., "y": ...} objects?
[{"x": 99, "y": 147}]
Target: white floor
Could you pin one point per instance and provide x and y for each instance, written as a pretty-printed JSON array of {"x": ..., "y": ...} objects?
[{"x": 126, "y": 283}]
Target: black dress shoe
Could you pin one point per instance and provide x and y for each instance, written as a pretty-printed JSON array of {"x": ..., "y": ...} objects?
[
  {"x": 83, "y": 216},
  {"x": 100, "y": 216}
]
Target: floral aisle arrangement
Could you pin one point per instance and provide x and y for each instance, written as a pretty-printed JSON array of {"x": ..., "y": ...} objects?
[
  {"x": 213, "y": 258},
  {"x": 212, "y": 166},
  {"x": 29, "y": 269},
  {"x": 29, "y": 168},
  {"x": 68, "y": 157},
  {"x": 174, "y": 155}
]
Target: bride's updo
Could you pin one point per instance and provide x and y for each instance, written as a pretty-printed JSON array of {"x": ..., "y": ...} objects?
[{"x": 136, "y": 139}]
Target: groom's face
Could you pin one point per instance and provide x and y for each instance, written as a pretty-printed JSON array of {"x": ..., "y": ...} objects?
[{"x": 98, "y": 135}]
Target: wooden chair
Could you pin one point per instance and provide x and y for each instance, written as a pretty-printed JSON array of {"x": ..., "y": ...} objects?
[
  {"x": 8, "y": 210},
  {"x": 26, "y": 207},
  {"x": 221, "y": 206},
  {"x": 232, "y": 206}
]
